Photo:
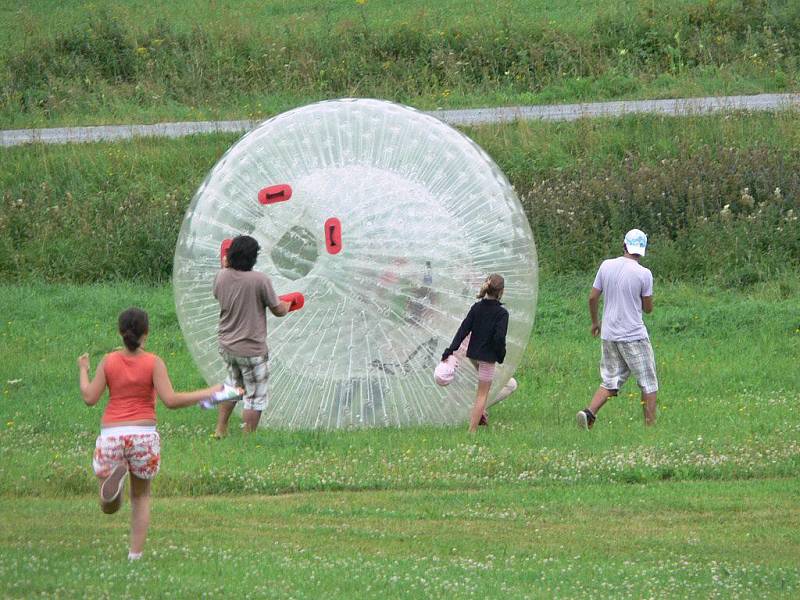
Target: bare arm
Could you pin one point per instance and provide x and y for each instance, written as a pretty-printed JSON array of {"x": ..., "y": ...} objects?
[
  {"x": 281, "y": 310},
  {"x": 647, "y": 304},
  {"x": 91, "y": 390},
  {"x": 169, "y": 396},
  {"x": 594, "y": 303}
]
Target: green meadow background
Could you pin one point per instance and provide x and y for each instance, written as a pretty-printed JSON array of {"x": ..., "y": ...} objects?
[
  {"x": 704, "y": 504},
  {"x": 79, "y": 63}
]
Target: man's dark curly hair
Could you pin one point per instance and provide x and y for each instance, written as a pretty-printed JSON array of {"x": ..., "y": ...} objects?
[{"x": 243, "y": 253}]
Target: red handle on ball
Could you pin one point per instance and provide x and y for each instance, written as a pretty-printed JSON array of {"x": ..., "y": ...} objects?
[
  {"x": 296, "y": 300},
  {"x": 275, "y": 193},
  {"x": 223, "y": 251}
]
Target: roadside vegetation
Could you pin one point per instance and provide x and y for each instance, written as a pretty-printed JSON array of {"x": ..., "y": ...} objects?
[
  {"x": 68, "y": 63},
  {"x": 718, "y": 195}
]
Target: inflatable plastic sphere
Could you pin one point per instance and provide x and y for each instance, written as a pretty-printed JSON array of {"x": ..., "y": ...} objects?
[{"x": 388, "y": 221}]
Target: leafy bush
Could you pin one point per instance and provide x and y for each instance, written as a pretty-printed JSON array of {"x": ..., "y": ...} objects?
[
  {"x": 106, "y": 59},
  {"x": 730, "y": 213},
  {"x": 112, "y": 211}
]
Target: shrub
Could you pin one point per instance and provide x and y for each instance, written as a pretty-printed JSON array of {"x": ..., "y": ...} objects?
[
  {"x": 105, "y": 58},
  {"x": 99, "y": 212},
  {"x": 729, "y": 213}
]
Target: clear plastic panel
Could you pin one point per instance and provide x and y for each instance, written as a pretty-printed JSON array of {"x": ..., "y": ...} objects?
[{"x": 424, "y": 215}]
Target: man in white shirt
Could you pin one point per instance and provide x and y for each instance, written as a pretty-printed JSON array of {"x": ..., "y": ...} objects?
[{"x": 626, "y": 349}]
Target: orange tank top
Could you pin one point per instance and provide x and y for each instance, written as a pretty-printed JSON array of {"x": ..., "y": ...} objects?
[{"x": 132, "y": 396}]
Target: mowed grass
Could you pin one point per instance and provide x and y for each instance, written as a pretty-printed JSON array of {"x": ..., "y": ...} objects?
[
  {"x": 703, "y": 504},
  {"x": 717, "y": 539}
]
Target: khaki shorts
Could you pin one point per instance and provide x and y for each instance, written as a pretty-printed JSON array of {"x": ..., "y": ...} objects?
[
  {"x": 620, "y": 359},
  {"x": 250, "y": 373}
]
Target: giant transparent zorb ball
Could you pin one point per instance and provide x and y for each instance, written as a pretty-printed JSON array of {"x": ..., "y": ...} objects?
[{"x": 394, "y": 221}]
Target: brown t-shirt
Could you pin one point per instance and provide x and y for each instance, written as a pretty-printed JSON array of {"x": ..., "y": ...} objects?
[{"x": 243, "y": 299}]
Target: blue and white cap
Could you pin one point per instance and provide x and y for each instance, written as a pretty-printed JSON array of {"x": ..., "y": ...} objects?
[{"x": 636, "y": 242}]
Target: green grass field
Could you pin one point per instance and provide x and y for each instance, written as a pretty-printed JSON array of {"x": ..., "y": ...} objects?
[
  {"x": 80, "y": 63},
  {"x": 716, "y": 539},
  {"x": 704, "y": 504}
]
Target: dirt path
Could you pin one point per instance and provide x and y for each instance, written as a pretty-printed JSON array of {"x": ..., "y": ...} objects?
[{"x": 473, "y": 116}]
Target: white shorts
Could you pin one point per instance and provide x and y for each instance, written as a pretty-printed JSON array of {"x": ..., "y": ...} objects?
[{"x": 137, "y": 446}]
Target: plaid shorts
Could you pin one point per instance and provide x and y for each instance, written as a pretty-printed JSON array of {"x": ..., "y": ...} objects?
[
  {"x": 250, "y": 373},
  {"x": 141, "y": 451},
  {"x": 620, "y": 359}
]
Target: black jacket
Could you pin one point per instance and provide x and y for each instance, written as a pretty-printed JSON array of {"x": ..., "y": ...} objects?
[{"x": 487, "y": 321}]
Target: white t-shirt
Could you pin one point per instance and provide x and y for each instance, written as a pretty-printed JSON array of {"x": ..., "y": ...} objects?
[{"x": 624, "y": 282}]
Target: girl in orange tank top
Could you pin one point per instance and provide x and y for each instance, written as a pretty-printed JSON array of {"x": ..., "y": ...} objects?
[
  {"x": 128, "y": 443},
  {"x": 132, "y": 394}
]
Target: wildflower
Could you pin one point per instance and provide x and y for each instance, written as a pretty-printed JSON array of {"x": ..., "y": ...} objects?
[{"x": 747, "y": 199}]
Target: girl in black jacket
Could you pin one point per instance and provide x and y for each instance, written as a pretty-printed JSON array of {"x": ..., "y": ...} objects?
[{"x": 486, "y": 324}]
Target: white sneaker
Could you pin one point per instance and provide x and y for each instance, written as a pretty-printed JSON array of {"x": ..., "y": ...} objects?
[
  {"x": 111, "y": 490},
  {"x": 226, "y": 393},
  {"x": 585, "y": 419}
]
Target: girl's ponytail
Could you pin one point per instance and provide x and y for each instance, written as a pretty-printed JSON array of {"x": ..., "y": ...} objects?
[
  {"x": 493, "y": 286},
  {"x": 131, "y": 340},
  {"x": 133, "y": 324}
]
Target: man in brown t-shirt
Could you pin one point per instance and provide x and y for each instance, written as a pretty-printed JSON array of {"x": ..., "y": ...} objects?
[{"x": 243, "y": 296}]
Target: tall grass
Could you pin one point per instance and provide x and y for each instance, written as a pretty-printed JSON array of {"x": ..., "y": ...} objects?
[
  {"x": 719, "y": 197},
  {"x": 116, "y": 67}
]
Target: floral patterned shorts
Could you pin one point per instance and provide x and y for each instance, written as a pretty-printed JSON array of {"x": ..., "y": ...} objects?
[{"x": 140, "y": 450}]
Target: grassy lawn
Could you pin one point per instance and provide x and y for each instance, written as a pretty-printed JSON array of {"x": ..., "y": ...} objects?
[
  {"x": 725, "y": 539},
  {"x": 77, "y": 63},
  {"x": 703, "y": 504}
]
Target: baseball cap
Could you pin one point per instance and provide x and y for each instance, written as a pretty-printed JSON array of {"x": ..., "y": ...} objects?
[{"x": 636, "y": 241}]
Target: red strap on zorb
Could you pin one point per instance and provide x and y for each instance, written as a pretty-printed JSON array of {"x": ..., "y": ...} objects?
[
  {"x": 296, "y": 300},
  {"x": 223, "y": 251},
  {"x": 275, "y": 193},
  {"x": 333, "y": 235}
]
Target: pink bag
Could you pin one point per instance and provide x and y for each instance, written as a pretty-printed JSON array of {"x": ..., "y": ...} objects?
[{"x": 445, "y": 371}]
